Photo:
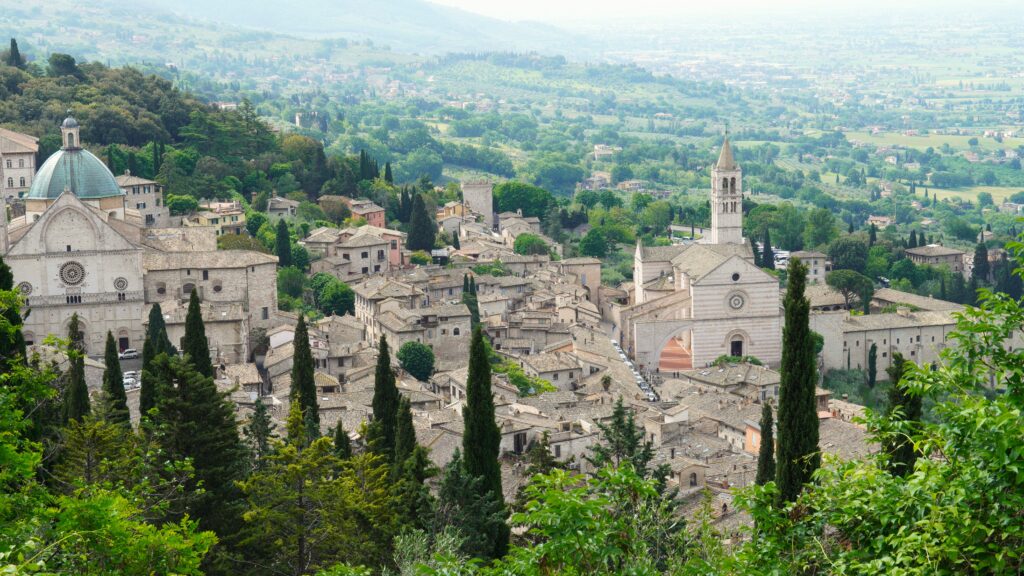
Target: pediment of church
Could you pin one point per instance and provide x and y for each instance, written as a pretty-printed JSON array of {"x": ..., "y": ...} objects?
[{"x": 69, "y": 225}]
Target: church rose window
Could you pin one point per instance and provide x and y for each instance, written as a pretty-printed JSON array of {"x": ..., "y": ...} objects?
[
  {"x": 25, "y": 288},
  {"x": 121, "y": 284},
  {"x": 72, "y": 273}
]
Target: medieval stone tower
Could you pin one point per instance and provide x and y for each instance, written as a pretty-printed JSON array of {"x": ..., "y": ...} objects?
[
  {"x": 726, "y": 199},
  {"x": 479, "y": 197}
]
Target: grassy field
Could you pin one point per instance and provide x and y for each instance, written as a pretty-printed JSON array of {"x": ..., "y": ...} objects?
[
  {"x": 999, "y": 193},
  {"x": 933, "y": 140}
]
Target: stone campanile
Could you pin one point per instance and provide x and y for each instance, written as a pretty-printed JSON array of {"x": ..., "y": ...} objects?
[{"x": 726, "y": 199}]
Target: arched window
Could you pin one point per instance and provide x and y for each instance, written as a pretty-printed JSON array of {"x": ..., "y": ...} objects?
[
  {"x": 725, "y": 183},
  {"x": 71, "y": 140},
  {"x": 187, "y": 289},
  {"x": 21, "y": 163},
  {"x": 732, "y": 185},
  {"x": 455, "y": 332},
  {"x": 22, "y": 184},
  {"x": 693, "y": 478}
]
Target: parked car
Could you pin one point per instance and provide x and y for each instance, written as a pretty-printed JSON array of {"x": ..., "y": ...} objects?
[{"x": 128, "y": 354}]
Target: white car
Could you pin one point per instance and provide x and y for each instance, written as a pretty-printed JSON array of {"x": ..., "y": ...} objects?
[{"x": 128, "y": 354}]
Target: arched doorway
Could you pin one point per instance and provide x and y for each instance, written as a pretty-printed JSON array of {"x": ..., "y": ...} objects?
[{"x": 736, "y": 346}]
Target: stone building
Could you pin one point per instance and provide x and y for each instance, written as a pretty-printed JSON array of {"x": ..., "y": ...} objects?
[
  {"x": 937, "y": 255},
  {"x": 479, "y": 197},
  {"x": 17, "y": 162},
  {"x": 146, "y": 196},
  {"x": 695, "y": 302},
  {"x": 79, "y": 249}
]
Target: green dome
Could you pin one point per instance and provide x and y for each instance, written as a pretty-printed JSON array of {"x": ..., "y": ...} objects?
[{"x": 77, "y": 170}]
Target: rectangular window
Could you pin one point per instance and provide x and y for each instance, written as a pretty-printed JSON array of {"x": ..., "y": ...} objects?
[
  {"x": 364, "y": 255},
  {"x": 394, "y": 244},
  {"x": 376, "y": 268},
  {"x": 366, "y": 270},
  {"x": 558, "y": 450},
  {"x": 266, "y": 313},
  {"x": 206, "y": 274}
]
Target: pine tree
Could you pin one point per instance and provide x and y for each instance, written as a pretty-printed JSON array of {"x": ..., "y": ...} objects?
[
  {"x": 465, "y": 504},
  {"x": 12, "y": 342},
  {"x": 421, "y": 226},
  {"x": 156, "y": 343},
  {"x": 342, "y": 443},
  {"x": 258, "y": 433},
  {"x": 195, "y": 345},
  {"x": 904, "y": 406},
  {"x": 798, "y": 455},
  {"x": 195, "y": 420},
  {"x": 113, "y": 385},
  {"x": 767, "y": 254},
  {"x": 14, "y": 57},
  {"x": 981, "y": 266},
  {"x": 303, "y": 387},
  {"x": 76, "y": 394},
  {"x": 766, "y": 453},
  {"x": 481, "y": 438},
  {"x": 283, "y": 245},
  {"x": 623, "y": 441},
  {"x": 872, "y": 365},
  {"x": 387, "y": 173},
  {"x": 385, "y": 403}
]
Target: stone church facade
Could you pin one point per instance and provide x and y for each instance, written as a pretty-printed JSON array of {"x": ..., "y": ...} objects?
[
  {"x": 78, "y": 249},
  {"x": 696, "y": 302}
]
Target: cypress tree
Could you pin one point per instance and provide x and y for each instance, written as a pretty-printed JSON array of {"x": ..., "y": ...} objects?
[
  {"x": 76, "y": 395},
  {"x": 405, "y": 434},
  {"x": 303, "y": 389},
  {"x": 767, "y": 254},
  {"x": 258, "y": 433},
  {"x": 481, "y": 438},
  {"x": 387, "y": 173},
  {"x": 766, "y": 454},
  {"x": 981, "y": 266},
  {"x": 156, "y": 343},
  {"x": 195, "y": 345},
  {"x": 283, "y": 245},
  {"x": 851, "y": 228},
  {"x": 342, "y": 443},
  {"x": 465, "y": 283},
  {"x": 906, "y": 407},
  {"x": 872, "y": 365},
  {"x": 872, "y": 235},
  {"x": 113, "y": 385},
  {"x": 942, "y": 287},
  {"x": 421, "y": 226},
  {"x": 455, "y": 241},
  {"x": 912, "y": 243},
  {"x": 12, "y": 342},
  {"x": 798, "y": 455},
  {"x": 385, "y": 402},
  {"x": 14, "y": 57}
]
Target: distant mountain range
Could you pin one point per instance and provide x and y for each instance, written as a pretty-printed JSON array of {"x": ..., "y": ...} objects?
[{"x": 404, "y": 25}]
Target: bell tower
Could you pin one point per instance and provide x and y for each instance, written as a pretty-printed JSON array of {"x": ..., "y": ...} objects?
[
  {"x": 726, "y": 199},
  {"x": 69, "y": 133}
]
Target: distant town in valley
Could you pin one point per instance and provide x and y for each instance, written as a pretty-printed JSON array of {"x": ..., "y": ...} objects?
[{"x": 348, "y": 289}]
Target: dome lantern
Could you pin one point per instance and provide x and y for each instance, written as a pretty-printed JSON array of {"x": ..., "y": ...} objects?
[{"x": 69, "y": 133}]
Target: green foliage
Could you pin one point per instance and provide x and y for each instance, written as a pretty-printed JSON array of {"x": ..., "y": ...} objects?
[
  {"x": 76, "y": 394},
  {"x": 530, "y": 244},
  {"x": 181, "y": 205},
  {"x": 417, "y": 359},
  {"x": 258, "y": 433},
  {"x": 156, "y": 343},
  {"x": 467, "y": 506},
  {"x": 872, "y": 365},
  {"x": 623, "y": 443},
  {"x": 797, "y": 452},
  {"x": 982, "y": 269},
  {"x": 594, "y": 244},
  {"x": 239, "y": 242},
  {"x": 526, "y": 384},
  {"x": 848, "y": 253},
  {"x": 904, "y": 412},
  {"x": 851, "y": 284},
  {"x": 290, "y": 281},
  {"x": 512, "y": 196}
]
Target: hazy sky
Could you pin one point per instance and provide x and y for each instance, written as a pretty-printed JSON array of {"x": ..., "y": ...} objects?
[{"x": 608, "y": 11}]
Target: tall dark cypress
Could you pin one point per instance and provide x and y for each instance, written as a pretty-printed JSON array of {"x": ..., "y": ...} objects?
[
  {"x": 872, "y": 365},
  {"x": 902, "y": 455},
  {"x": 405, "y": 434},
  {"x": 767, "y": 254},
  {"x": 195, "y": 345},
  {"x": 342, "y": 443},
  {"x": 385, "y": 402},
  {"x": 283, "y": 245},
  {"x": 421, "y": 226},
  {"x": 797, "y": 454},
  {"x": 113, "y": 384},
  {"x": 481, "y": 437},
  {"x": 303, "y": 388},
  {"x": 387, "y": 173},
  {"x": 156, "y": 343},
  {"x": 76, "y": 393},
  {"x": 912, "y": 243},
  {"x": 872, "y": 235},
  {"x": 14, "y": 57},
  {"x": 766, "y": 454},
  {"x": 465, "y": 283}
]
